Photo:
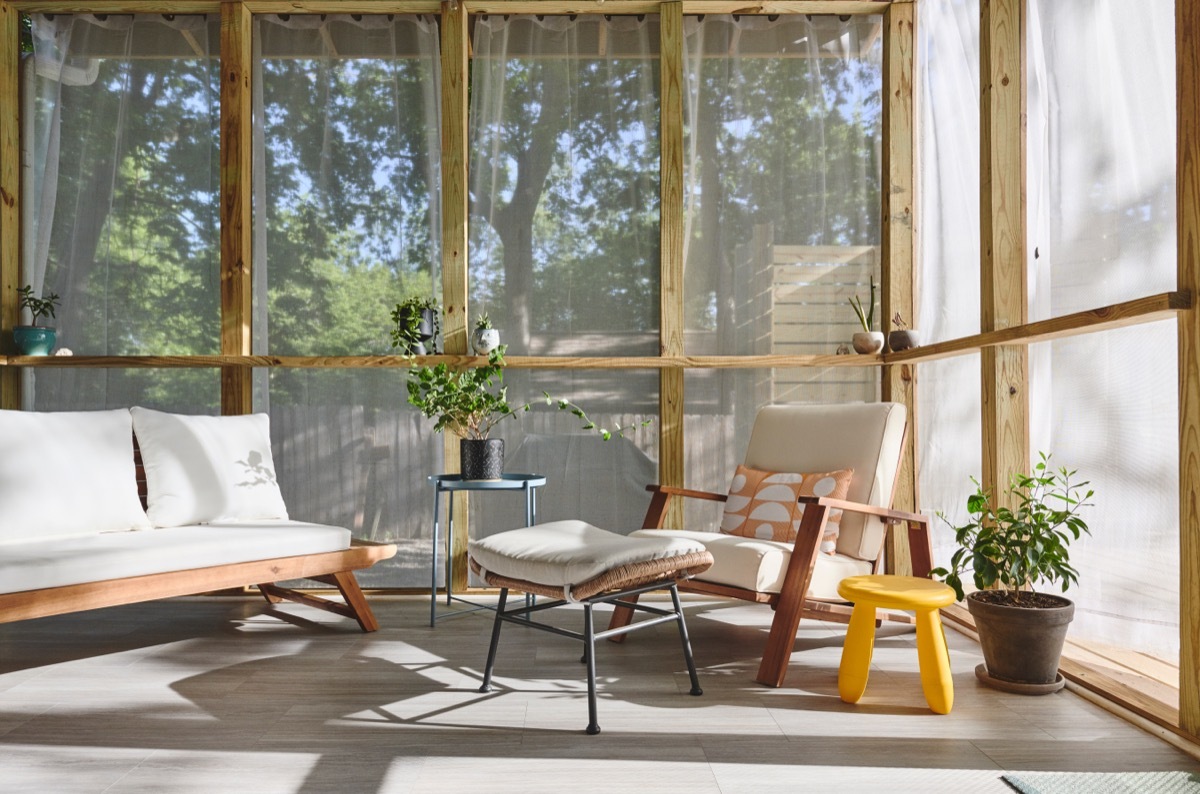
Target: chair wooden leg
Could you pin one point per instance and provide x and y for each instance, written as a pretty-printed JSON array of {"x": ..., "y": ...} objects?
[
  {"x": 773, "y": 668},
  {"x": 621, "y": 617}
]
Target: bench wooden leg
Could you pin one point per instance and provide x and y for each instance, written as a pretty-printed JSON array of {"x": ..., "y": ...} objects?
[{"x": 356, "y": 605}]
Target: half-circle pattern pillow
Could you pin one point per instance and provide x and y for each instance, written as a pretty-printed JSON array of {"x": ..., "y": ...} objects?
[{"x": 763, "y": 504}]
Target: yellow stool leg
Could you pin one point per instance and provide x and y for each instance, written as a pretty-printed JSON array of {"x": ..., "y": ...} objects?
[
  {"x": 934, "y": 659},
  {"x": 856, "y": 653}
]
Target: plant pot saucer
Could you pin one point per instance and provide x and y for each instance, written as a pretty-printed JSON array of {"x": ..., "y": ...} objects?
[{"x": 1018, "y": 687}]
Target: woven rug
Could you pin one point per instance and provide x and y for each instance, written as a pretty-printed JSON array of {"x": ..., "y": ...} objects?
[{"x": 1104, "y": 782}]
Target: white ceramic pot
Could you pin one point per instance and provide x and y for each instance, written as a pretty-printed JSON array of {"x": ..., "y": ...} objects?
[
  {"x": 865, "y": 342},
  {"x": 484, "y": 340}
]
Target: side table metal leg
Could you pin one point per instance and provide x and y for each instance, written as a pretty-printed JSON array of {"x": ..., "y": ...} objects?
[{"x": 433, "y": 566}]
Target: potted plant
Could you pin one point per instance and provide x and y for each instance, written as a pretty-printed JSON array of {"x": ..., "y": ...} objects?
[
  {"x": 418, "y": 321},
  {"x": 485, "y": 338},
  {"x": 901, "y": 337},
  {"x": 867, "y": 340},
  {"x": 35, "y": 339},
  {"x": 471, "y": 402},
  {"x": 1008, "y": 551}
]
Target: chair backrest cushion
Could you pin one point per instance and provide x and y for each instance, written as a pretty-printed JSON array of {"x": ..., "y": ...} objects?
[
  {"x": 865, "y": 437},
  {"x": 67, "y": 474}
]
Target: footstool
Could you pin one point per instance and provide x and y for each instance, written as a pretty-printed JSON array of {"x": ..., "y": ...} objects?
[
  {"x": 576, "y": 563},
  {"x": 922, "y": 596}
]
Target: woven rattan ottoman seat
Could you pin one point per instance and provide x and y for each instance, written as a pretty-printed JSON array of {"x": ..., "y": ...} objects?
[{"x": 575, "y": 562}]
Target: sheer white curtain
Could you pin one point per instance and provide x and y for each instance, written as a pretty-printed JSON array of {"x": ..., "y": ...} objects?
[
  {"x": 347, "y": 224},
  {"x": 120, "y": 210},
  {"x": 1102, "y": 230},
  {"x": 782, "y": 181},
  {"x": 949, "y": 391}
]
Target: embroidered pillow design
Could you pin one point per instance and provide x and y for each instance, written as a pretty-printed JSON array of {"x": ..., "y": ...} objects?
[{"x": 762, "y": 504}]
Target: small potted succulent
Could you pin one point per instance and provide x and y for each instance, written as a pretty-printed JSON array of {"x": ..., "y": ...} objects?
[
  {"x": 35, "y": 339},
  {"x": 867, "y": 340},
  {"x": 485, "y": 338},
  {"x": 901, "y": 337},
  {"x": 418, "y": 321},
  {"x": 470, "y": 402},
  {"x": 1008, "y": 550}
]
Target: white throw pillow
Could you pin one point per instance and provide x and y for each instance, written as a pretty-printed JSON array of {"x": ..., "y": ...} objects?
[
  {"x": 65, "y": 474},
  {"x": 205, "y": 468}
]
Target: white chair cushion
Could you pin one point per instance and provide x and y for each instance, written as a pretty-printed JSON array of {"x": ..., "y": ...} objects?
[
  {"x": 67, "y": 474},
  {"x": 562, "y": 553},
  {"x": 207, "y": 468},
  {"x": 760, "y": 565},
  {"x": 117, "y": 555}
]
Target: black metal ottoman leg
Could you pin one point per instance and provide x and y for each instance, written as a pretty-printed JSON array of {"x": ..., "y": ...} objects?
[
  {"x": 687, "y": 645},
  {"x": 589, "y": 654},
  {"x": 491, "y": 660}
]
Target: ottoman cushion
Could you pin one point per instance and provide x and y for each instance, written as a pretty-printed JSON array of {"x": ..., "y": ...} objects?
[{"x": 561, "y": 553}]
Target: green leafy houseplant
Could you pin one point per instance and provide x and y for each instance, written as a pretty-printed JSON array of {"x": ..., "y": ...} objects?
[
  {"x": 38, "y": 307},
  {"x": 472, "y": 401},
  {"x": 417, "y": 321},
  {"x": 1010, "y": 550}
]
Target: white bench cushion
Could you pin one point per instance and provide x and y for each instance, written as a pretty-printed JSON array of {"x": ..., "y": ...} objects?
[
  {"x": 67, "y": 474},
  {"x": 760, "y": 565},
  {"x": 561, "y": 553},
  {"x": 117, "y": 555}
]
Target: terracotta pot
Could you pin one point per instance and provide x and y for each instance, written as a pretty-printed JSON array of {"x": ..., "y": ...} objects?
[
  {"x": 1022, "y": 645},
  {"x": 481, "y": 459},
  {"x": 868, "y": 342}
]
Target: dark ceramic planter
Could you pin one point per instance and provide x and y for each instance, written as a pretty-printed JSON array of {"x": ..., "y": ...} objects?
[
  {"x": 481, "y": 459},
  {"x": 1022, "y": 645},
  {"x": 424, "y": 329}
]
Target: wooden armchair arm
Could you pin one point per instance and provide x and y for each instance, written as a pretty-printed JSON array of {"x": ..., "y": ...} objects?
[
  {"x": 657, "y": 510},
  {"x": 919, "y": 541}
]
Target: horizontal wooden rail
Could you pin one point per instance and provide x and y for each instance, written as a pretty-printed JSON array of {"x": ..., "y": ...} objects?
[
  {"x": 400, "y": 362},
  {"x": 1119, "y": 315},
  {"x": 840, "y": 7}
]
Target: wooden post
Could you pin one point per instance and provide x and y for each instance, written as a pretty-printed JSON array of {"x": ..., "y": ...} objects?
[
  {"x": 236, "y": 203},
  {"x": 670, "y": 398},
  {"x": 1187, "y": 54},
  {"x": 1003, "y": 292},
  {"x": 454, "y": 241},
  {"x": 10, "y": 194},
  {"x": 899, "y": 247}
]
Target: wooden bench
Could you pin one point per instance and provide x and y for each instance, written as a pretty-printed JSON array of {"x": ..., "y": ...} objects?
[{"x": 334, "y": 568}]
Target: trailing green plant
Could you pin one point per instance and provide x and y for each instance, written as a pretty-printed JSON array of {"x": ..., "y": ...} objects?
[
  {"x": 866, "y": 317},
  {"x": 1012, "y": 549},
  {"x": 473, "y": 400},
  {"x": 38, "y": 307},
  {"x": 483, "y": 322},
  {"x": 408, "y": 316}
]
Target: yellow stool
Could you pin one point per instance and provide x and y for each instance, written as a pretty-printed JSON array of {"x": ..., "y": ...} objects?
[{"x": 925, "y": 597}]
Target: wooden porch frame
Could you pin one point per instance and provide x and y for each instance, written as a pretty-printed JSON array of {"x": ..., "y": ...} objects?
[{"x": 1005, "y": 332}]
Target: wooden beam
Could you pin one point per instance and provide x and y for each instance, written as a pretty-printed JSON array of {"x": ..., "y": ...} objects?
[
  {"x": 671, "y": 382},
  {"x": 1187, "y": 54},
  {"x": 10, "y": 193},
  {"x": 840, "y": 7},
  {"x": 1151, "y": 308},
  {"x": 117, "y": 6},
  {"x": 1003, "y": 294},
  {"x": 455, "y": 297},
  {"x": 899, "y": 382},
  {"x": 237, "y": 143}
]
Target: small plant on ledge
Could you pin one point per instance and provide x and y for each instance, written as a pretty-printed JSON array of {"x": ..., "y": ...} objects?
[
  {"x": 471, "y": 401},
  {"x": 867, "y": 340},
  {"x": 35, "y": 339},
  {"x": 418, "y": 321}
]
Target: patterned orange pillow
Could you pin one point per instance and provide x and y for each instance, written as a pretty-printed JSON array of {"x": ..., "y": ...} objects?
[{"x": 762, "y": 504}]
